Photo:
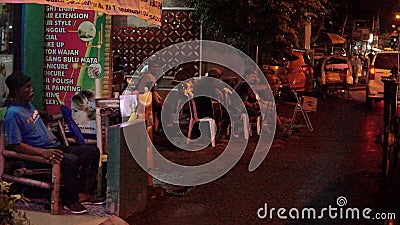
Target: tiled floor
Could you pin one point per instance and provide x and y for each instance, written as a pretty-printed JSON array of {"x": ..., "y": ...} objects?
[
  {"x": 38, "y": 213},
  {"x": 41, "y": 218},
  {"x": 42, "y": 205}
]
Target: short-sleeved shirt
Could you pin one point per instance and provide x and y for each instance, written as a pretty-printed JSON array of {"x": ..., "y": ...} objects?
[{"x": 24, "y": 125}]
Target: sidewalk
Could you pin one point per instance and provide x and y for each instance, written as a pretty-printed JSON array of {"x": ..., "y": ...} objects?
[
  {"x": 37, "y": 213},
  {"x": 46, "y": 218}
]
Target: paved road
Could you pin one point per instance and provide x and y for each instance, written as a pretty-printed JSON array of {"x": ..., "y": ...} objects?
[
  {"x": 339, "y": 160},
  {"x": 358, "y": 93}
]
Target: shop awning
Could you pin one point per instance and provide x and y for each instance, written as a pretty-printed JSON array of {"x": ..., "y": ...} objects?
[
  {"x": 336, "y": 39},
  {"x": 329, "y": 39},
  {"x": 149, "y": 10}
]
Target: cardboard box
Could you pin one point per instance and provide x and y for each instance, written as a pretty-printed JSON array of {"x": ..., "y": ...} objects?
[{"x": 310, "y": 103}]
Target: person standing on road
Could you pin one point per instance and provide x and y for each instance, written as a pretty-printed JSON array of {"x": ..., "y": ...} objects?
[
  {"x": 147, "y": 82},
  {"x": 26, "y": 133},
  {"x": 119, "y": 72},
  {"x": 358, "y": 68},
  {"x": 149, "y": 75}
]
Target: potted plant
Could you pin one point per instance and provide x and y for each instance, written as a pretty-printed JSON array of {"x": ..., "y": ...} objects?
[{"x": 9, "y": 214}]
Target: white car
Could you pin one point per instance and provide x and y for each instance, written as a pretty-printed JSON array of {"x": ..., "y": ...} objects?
[
  {"x": 380, "y": 68},
  {"x": 336, "y": 71}
]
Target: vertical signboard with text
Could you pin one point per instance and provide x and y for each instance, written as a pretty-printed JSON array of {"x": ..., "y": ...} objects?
[{"x": 74, "y": 58}]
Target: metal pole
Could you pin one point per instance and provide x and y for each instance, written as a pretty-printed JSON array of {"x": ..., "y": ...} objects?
[
  {"x": 307, "y": 30},
  {"x": 201, "y": 51},
  {"x": 257, "y": 55},
  {"x": 389, "y": 118},
  {"x": 99, "y": 139},
  {"x": 307, "y": 38},
  {"x": 398, "y": 50}
]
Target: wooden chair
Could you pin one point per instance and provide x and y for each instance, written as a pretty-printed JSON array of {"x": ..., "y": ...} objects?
[
  {"x": 22, "y": 175},
  {"x": 58, "y": 126}
]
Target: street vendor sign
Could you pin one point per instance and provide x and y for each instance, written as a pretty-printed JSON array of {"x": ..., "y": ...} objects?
[
  {"x": 74, "y": 58},
  {"x": 149, "y": 10}
]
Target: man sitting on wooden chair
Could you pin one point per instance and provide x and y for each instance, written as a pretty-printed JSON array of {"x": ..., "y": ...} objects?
[{"x": 26, "y": 133}]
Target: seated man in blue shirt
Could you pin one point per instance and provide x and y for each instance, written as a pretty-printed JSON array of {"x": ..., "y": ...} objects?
[{"x": 26, "y": 133}]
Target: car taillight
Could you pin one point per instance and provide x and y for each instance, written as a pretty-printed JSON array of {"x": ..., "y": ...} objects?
[{"x": 371, "y": 74}]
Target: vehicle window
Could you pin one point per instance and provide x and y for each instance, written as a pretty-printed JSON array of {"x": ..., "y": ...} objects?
[
  {"x": 335, "y": 61},
  {"x": 307, "y": 59},
  {"x": 297, "y": 63},
  {"x": 385, "y": 61}
]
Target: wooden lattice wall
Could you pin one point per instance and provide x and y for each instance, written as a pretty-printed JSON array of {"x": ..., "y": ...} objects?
[{"x": 136, "y": 44}]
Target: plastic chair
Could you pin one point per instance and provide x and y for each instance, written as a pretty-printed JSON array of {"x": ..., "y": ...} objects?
[
  {"x": 244, "y": 118},
  {"x": 195, "y": 119},
  {"x": 248, "y": 124}
]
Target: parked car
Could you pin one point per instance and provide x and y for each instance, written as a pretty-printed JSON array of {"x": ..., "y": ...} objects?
[
  {"x": 336, "y": 71},
  {"x": 273, "y": 74},
  {"x": 300, "y": 71},
  {"x": 380, "y": 68}
]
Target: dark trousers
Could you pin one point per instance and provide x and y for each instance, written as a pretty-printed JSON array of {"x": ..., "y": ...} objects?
[
  {"x": 78, "y": 168},
  {"x": 80, "y": 163}
]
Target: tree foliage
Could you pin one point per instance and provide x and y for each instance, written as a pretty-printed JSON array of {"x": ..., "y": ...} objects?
[
  {"x": 362, "y": 10},
  {"x": 274, "y": 25}
]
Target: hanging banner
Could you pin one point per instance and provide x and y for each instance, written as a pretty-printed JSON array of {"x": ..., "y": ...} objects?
[
  {"x": 149, "y": 10},
  {"x": 74, "y": 58}
]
